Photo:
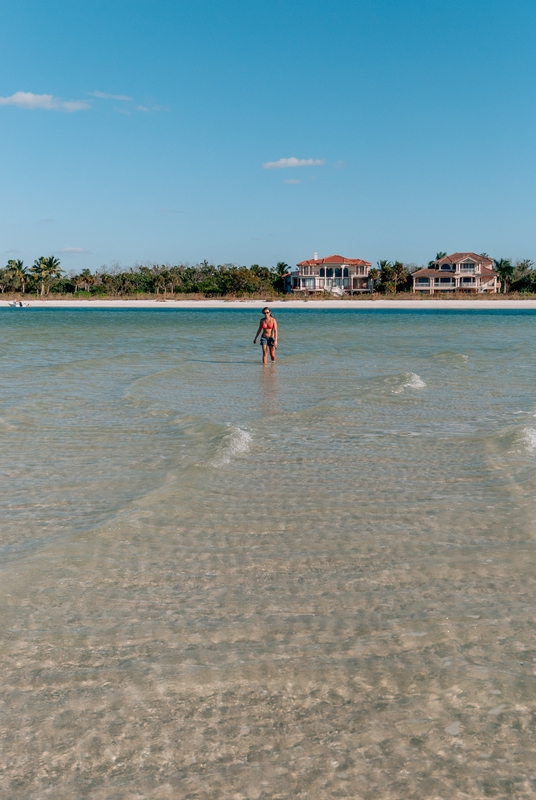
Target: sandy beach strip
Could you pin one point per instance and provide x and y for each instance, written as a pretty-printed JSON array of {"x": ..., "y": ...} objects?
[{"x": 354, "y": 305}]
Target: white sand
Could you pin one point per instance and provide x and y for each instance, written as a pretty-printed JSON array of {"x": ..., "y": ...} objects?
[{"x": 255, "y": 304}]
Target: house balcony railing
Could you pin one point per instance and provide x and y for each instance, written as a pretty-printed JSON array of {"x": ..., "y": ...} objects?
[{"x": 305, "y": 284}]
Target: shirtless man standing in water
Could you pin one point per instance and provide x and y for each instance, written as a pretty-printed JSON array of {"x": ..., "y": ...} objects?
[{"x": 268, "y": 330}]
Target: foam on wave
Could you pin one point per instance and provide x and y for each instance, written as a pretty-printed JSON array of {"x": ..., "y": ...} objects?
[
  {"x": 236, "y": 441},
  {"x": 413, "y": 381}
]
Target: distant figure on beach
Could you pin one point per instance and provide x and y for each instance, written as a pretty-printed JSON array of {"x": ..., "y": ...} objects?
[{"x": 268, "y": 330}]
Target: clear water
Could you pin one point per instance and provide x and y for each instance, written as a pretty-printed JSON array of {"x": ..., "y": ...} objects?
[{"x": 227, "y": 581}]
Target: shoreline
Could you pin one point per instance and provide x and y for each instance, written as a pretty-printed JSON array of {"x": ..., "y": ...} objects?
[{"x": 280, "y": 304}]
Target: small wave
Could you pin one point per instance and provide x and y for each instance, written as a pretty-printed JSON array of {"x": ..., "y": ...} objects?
[
  {"x": 413, "y": 381},
  {"x": 451, "y": 357},
  {"x": 236, "y": 441}
]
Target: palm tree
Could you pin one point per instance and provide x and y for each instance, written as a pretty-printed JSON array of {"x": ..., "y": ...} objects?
[
  {"x": 374, "y": 274},
  {"x": 278, "y": 275},
  {"x": 84, "y": 280},
  {"x": 505, "y": 270},
  {"x": 44, "y": 269},
  {"x": 40, "y": 271},
  {"x": 400, "y": 273},
  {"x": 387, "y": 276},
  {"x": 19, "y": 272},
  {"x": 438, "y": 257},
  {"x": 54, "y": 269}
]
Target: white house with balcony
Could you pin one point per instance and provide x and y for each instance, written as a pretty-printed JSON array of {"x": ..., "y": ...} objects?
[
  {"x": 334, "y": 274},
  {"x": 458, "y": 272}
]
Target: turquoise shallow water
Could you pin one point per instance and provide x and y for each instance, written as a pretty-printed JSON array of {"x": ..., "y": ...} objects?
[{"x": 313, "y": 579}]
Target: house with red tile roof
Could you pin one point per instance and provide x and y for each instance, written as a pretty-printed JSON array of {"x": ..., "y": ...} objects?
[
  {"x": 335, "y": 274},
  {"x": 458, "y": 272}
]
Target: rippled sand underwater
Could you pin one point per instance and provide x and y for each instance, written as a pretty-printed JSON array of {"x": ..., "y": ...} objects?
[{"x": 312, "y": 580}]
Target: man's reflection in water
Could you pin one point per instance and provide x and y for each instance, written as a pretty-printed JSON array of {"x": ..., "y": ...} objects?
[{"x": 269, "y": 390}]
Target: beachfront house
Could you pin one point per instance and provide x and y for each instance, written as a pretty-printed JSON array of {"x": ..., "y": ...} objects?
[
  {"x": 459, "y": 272},
  {"x": 334, "y": 274}
]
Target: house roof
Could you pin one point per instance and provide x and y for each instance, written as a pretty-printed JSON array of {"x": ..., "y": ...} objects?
[
  {"x": 427, "y": 272},
  {"x": 313, "y": 262},
  {"x": 455, "y": 257},
  {"x": 488, "y": 274}
]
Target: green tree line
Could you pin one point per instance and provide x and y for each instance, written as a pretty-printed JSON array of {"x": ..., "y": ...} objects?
[
  {"x": 389, "y": 277},
  {"x": 46, "y": 277}
]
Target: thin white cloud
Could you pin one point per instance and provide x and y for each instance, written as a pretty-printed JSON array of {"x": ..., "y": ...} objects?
[
  {"x": 283, "y": 163},
  {"x": 71, "y": 250},
  {"x": 147, "y": 110},
  {"x": 107, "y": 96},
  {"x": 48, "y": 102},
  {"x": 295, "y": 180}
]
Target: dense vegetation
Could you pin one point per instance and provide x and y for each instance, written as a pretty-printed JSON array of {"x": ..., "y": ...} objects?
[
  {"x": 391, "y": 276},
  {"x": 46, "y": 277}
]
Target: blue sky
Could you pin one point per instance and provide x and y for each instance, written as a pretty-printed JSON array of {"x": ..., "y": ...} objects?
[{"x": 418, "y": 116}]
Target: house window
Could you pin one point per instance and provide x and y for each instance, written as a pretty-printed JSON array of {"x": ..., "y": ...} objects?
[
  {"x": 468, "y": 280},
  {"x": 345, "y": 272},
  {"x": 309, "y": 283},
  {"x": 346, "y": 282},
  {"x": 423, "y": 281},
  {"x": 338, "y": 272},
  {"x": 322, "y": 272},
  {"x": 329, "y": 272},
  {"x": 306, "y": 270},
  {"x": 468, "y": 267},
  {"x": 445, "y": 266},
  {"x": 444, "y": 280},
  {"x": 321, "y": 282}
]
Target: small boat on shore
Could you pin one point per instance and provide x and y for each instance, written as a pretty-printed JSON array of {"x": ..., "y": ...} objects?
[{"x": 18, "y": 304}]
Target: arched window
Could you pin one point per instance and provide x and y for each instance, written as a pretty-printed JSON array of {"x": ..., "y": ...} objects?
[
  {"x": 345, "y": 272},
  {"x": 322, "y": 272},
  {"x": 338, "y": 272},
  {"x": 329, "y": 272}
]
